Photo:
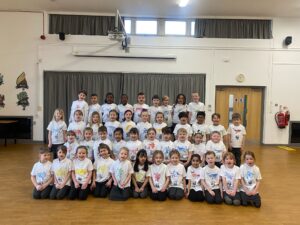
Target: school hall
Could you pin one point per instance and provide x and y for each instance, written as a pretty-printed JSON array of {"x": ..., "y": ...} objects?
[{"x": 237, "y": 56}]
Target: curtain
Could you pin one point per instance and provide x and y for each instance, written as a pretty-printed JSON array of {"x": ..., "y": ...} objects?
[{"x": 233, "y": 28}]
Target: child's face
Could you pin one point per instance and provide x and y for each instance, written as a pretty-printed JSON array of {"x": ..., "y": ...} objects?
[
  {"x": 195, "y": 97},
  {"x": 155, "y": 102},
  {"x": 124, "y": 99},
  {"x": 142, "y": 159},
  {"x": 215, "y": 138},
  {"x": 78, "y": 116},
  {"x": 71, "y": 138},
  {"x": 81, "y": 153},
  {"x": 128, "y": 116},
  {"x": 180, "y": 99},
  {"x": 167, "y": 137},
  {"x": 195, "y": 162},
  {"x": 109, "y": 99},
  {"x": 141, "y": 99},
  {"x": 95, "y": 118},
  {"x": 103, "y": 135},
  {"x": 183, "y": 120},
  {"x": 94, "y": 100},
  {"x": 198, "y": 138},
  {"x": 133, "y": 136},
  {"x": 57, "y": 115},
  {"x": 236, "y": 121},
  {"x": 216, "y": 120},
  {"x": 174, "y": 159},
  {"x": 118, "y": 136},
  {"x": 44, "y": 157},
  {"x": 123, "y": 155},
  {"x": 200, "y": 119},
  {"x": 103, "y": 153},
  {"x": 229, "y": 162},
  {"x": 182, "y": 136},
  {"x": 112, "y": 116},
  {"x": 151, "y": 135},
  {"x": 249, "y": 160},
  {"x": 158, "y": 159},
  {"x": 210, "y": 159},
  {"x": 88, "y": 135},
  {"x": 144, "y": 116},
  {"x": 81, "y": 96},
  {"x": 159, "y": 118},
  {"x": 165, "y": 101},
  {"x": 60, "y": 154}
]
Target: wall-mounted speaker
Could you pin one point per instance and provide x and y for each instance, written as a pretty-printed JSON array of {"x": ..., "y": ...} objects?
[
  {"x": 62, "y": 36},
  {"x": 288, "y": 40}
]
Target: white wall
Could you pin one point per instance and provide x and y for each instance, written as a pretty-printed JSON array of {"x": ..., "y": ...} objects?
[{"x": 263, "y": 62}]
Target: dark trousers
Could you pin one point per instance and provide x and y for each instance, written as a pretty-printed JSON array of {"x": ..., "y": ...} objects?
[
  {"x": 54, "y": 148},
  {"x": 79, "y": 193},
  {"x": 214, "y": 199},
  {"x": 254, "y": 199},
  {"x": 196, "y": 196},
  {"x": 237, "y": 154},
  {"x": 119, "y": 194},
  {"x": 159, "y": 196},
  {"x": 59, "y": 193},
  {"x": 232, "y": 200},
  {"x": 101, "y": 191},
  {"x": 175, "y": 193},
  {"x": 42, "y": 194},
  {"x": 142, "y": 194}
]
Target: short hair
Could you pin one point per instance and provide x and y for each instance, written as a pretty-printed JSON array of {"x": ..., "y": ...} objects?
[
  {"x": 215, "y": 132},
  {"x": 196, "y": 156},
  {"x": 82, "y": 91},
  {"x": 183, "y": 114},
  {"x": 165, "y": 97},
  {"x": 166, "y": 130},
  {"x": 78, "y": 111},
  {"x": 228, "y": 154},
  {"x": 155, "y": 97},
  {"x": 71, "y": 133},
  {"x": 102, "y": 129},
  {"x": 249, "y": 153},
  {"x": 157, "y": 152},
  {"x": 201, "y": 113},
  {"x": 124, "y": 95},
  {"x": 44, "y": 150},
  {"x": 63, "y": 149},
  {"x": 151, "y": 129},
  {"x": 102, "y": 145},
  {"x": 115, "y": 111},
  {"x": 140, "y": 93},
  {"x": 88, "y": 129},
  {"x": 181, "y": 130},
  {"x": 82, "y": 147},
  {"x": 124, "y": 149},
  {"x": 216, "y": 114},
  {"x": 174, "y": 152},
  {"x": 118, "y": 129},
  {"x": 94, "y": 95},
  {"x": 134, "y": 130},
  {"x": 236, "y": 116},
  {"x": 210, "y": 153}
]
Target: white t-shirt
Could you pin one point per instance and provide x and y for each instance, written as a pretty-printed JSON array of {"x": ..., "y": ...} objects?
[
  {"x": 158, "y": 127},
  {"x": 117, "y": 146},
  {"x": 81, "y": 169},
  {"x": 78, "y": 128},
  {"x": 237, "y": 134},
  {"x": 60, "y": 169},
  {"x": 167, "y": 111},
  {"x": 137, "y": 109},
  {"x": 250, "y": 174},
  {"x": 143, "y": 128},
  {"x": 42, "y": 172},
  {"x": 152, "y": 111},
  {"x": 194, "y": 108},
  {"x": 211, "y": 176},
  {"x": 133, "y": 147},
  {"x": 90, "y": 145},
  {"x": 194, "y": 175},
  {"x": 83, "y": 107},
  {"x": 200, "y": 128},
  {"x": 96, "y": 145},
  {"x": 177, "y": 174},
  {"x": 95, "y": 108},
  {"x": 126, "y": 126},
  {"x": 231, "y": 175},
  {"x": 95, "y": 128},
  {"x": 121, "y": 169},
  {"x": 71, "y": 149},
  {"x": 122, "y": 108},
  {"x": 220, "y": 128},
  {"x": 178, "y": 108},
  {"x": 102, "y": 168},
  {"x": 150, "y": 147},
  {"x": 166, "y": 147},
  {"x": 184, "y": 148},
  {"x": 111, "y": 126},
  {"x": 141, "y": 175},
  {"x": 106, "y": 108},
  {"x": 158, "y": 174},
  {"x": 185, "y": 126},
  {"x": 57, "y": 129},
  {"x": 218, "y": 148},
  {"x": 199, "y": 149}
]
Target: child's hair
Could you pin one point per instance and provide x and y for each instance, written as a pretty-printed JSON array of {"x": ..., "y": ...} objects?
[
  {"x": 128, "y": 110},
  {"x": 196, "y": 156},
  {"x": 113, "y": 110},
  {"x": 87, "y": 129},
  {"x": 124, "y": 95},
  {"x": 166, "y": 130},
  {"x": 102, "y": 129},
  {"x": 94, "y": 95},
  {"x": 201, "y": 113},
  {"x": 61, "y": 112},
  {"x": 183, "y": 114},
  {"x": 236, "y": 116},
  {"x": 108, "y": 94},
  {"x": 177, "y": 97},
  {"x": 82, "y": 91},
  {"x": 44, "y": 151},
  {"x": 216, "y": 114},
  {"x": 155, "y": 97},
  {"x": 63, "y": 149},
  {"x": 230, "y": 155},
  {"x": 157, "y": 152},
  {"x": 215, "y": 132},
  {"x": 78, "y": 111},
  {"x": 174, "y": 152},
  {"x": 83, "y": 147},
  {"x": 198, "y": 133},
  {"x": 134, "y": 130},
  {"x": 210, "y": 153},
  {"x": 164, "y": 97},
  {"x": 93, "y": 114},
  {"x": 249, "y": 153},
  {"x": 144, "y": 111},
  {"x": 102, "y": 145},
  {"x": 119, "y": 129},
  {"x": 151, "y": 129},
  {"x": 182, "y": 130},
  {"x": 141, "y": 153},
  {"x": 71, "y": 133},
  {"x": 124, "y": 149},
  {"x": 159, "y": 113},
  {"x": 140, "y": 93}
]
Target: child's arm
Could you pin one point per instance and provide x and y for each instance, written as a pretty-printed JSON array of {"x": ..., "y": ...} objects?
[
  {"x": 65, "y": 180},
  {"x": 225, "y": 140},
  {"x": 94, "y": 180},
  {"x": 76, "y": 184},
  {"x": 144, "y": 184},
  {"x": 86, "y": 183},
  {"x": 35, "y": 184},
  {"x": 114, "y": 179},
  {"x": 220, "y": 186},
  {"x": 243, "y": 142},
  {"x": 136, "y": 188},
  {"x": 229, "y": 142},
  {"x": 225, "y": 186},
  {"x": 207, "y": 187},
  {"x": 126, "y": 180},
  {"x": 255, "y": 190},
  {"x": 49, "y": 139},
  {"x": 190, "y": 117},
  {"x": 65, "y": 135},
  {"x": 165, "y": 186},
  {"x": 184, "y": 184},
  {"x": 235, "y": 186},
  {"x": 244, "y": 186},
  {"x": 189, "y": 159},
  {"x": 188, "y": 187}
]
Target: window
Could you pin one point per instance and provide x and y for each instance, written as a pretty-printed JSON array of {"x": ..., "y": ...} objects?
[
  {"x": 146, "y": 27},
  {"x": 193, "y": 28},
  {"x": 128, "y": 26},
  {"x": 175, "y": 28}
]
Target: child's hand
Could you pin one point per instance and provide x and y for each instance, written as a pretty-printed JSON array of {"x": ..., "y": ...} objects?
[
  {"x": 154, "y": 190},
  {"x": 136, "y": 189},
  {"x": 76, "y": 185},
  {"x": 253, "y": 192},
  {"x": 142, "y": 189},
  {"x": 163, "y": 189},
  {"x": 108, "y": 184},
  {"x": 49, "y": 145},
  {"x": 122, "y": 185},
  {"x": 211, "y": 193},
  {"x": 84, "y": 186},
  {"x": 38, "y": 187},
  {"x": 93, "y": 185},
  {"x": 187, "y": 194}
]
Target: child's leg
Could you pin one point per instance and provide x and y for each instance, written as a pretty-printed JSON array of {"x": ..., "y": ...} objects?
[
  {"x": 172, "y": 193},
  {"x": 36, "y": 194},
  {"x": 237, "y": 199},
  {"x": 244, "y": 198},
  {"x": 196, "y": 196},
  {"x": 227, "y": 198},
  {"x": 237, "y": 154},
  {"x": 83, "y": 193},
  {"x": 53, "y": 192},
  {"x": 46, "y": 192},
  {"x": 104, "y": 190},
  {"x": 218, "y": 197},
  {"x": 144, "y": 193},
  {"x": 73, "y": 194},
  {"x": 154, "y": 196},
  {"x": 115, "y": 194},
  {"x": 179, "y": 193},
  {"x": 162, "y": 196},
  {"x": 126, "y": 193},
  {"x": 256, "y": 200},
  {"x": 62, "y": 193},
  {"x": 97, "y": 191},
  {"x": 209, "y": 198}
]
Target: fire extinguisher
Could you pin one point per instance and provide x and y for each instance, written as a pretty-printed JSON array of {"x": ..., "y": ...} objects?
[
  {"x": 287, "y": 117},
  {"x": 280, "y": 119}
]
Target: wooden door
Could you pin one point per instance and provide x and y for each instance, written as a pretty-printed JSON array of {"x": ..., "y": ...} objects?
[{"x": 244, "y": 100}]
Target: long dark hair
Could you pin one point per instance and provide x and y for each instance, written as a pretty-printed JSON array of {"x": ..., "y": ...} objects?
[{"x": 141, "y": 152}]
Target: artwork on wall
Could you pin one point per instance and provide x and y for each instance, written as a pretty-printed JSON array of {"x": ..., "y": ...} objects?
[
  {"x": 21, "y": 81},
  {"x": 1, "y": 79},
  {"x": 2, "y": 98},
  {"x": 23, "y": 99}
]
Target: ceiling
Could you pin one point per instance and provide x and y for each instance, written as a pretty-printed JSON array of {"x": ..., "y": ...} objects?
[{"x": 164, "y": 8}]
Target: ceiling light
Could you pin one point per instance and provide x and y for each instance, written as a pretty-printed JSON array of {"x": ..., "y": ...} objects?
[{"x": 183, "y": 3}]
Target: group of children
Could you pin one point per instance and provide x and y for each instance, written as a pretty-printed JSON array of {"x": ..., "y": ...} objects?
[{"x": 150, "y": 153}]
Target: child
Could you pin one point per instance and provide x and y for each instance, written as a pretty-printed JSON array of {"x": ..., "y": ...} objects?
[
  {"x": 139, "y": 178},
  {"x": 88, "y": 142},
  {"x": 166, "y": 145},
  {"x": 134, "y": 144},
  {"x": 151, "y": 144},
  {"x": 144, "y": 125},
  {"x": 108, "y": 106},
  {"x": 139, "y": 107},
  {"x": 102, "y": 179},
  {"x": 77, "y": 125},
  {"x": 41, "y": 176},
  {"x": 121, "y": 172},
  {"x": 177, "y": 186},
  {"x": 236, "y": 136},
  {"x": 183, "y": 146},
  {"x": 118, "y": 142},
  {"x": 82, "y": 169},
  {"x": 178, "y": 107},
  {"x": 112, "y": 124},
  {"x": 95, "y": 123},
  {"x": 250, "y": 179},
  {"x": 123, "y": 107},
  {"x": 217, "y": 146},
  {"x": 167, "y": 110},
  {"x": 230, "y": 178},
  {"x": 183, "y": 123},
  {"x": 198, "y": 146},
  {"x": 194, "y": 107},
  {"x": 102, "y": 139},
  {"x": 159, "y": 177},
  {"x": 217, "y": 127},
  {"x": 159, "y": 125},
  {"x": 81, "y": 105},
  {"x": 94, "y": 107},
  {"x": 155, "y": 108},
  {"x": 57, "y": 130},
  {"x": 199, "y": 126},
  {"x": 210, "y": 179},
  {"x": 61, "y": 170},
  {"x": 71, "y": 145},
  {"x": 194, "y": 188},
  {"x": 127, "y": 124}
]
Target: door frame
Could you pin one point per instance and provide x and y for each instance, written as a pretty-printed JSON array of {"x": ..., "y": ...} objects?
[{"x": 263, "y": 88}]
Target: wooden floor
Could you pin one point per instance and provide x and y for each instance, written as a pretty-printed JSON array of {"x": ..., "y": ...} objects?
[{"x": 279, "y": 191}]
